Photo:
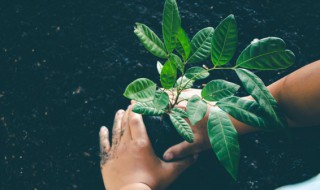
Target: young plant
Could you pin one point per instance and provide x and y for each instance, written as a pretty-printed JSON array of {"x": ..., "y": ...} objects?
[{"x": 220, "y": 44}]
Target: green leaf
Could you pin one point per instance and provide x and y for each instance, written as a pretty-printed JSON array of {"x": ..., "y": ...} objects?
[
  {"x": 161, "y": 100},
  {"x": 224, "y": 140},
  {"x": 168, "y": 75},
  {"x": 141, "y": 90},
  {"x": 197, "y": 72},
  {"x": 218, "y": 89},
  {"x": 255, "y": 87},
  {"x": 150, "y": 40},
  {"x": 170, "y": 24},
  {"x": 246, "y": 111},
  {"x": 201, "y": 45},
  {"x": 184, "y": 83},
  {"x": 176, "y": 59},
  {"x": 180, "y": 112},
  {"x": 183, "y": 46},
  {"x": 266, "y": 54},
  {"x": 196, "y": 109},
  {"x": 182, "y": 127},
  {"x": 147, "y": 108},
  {"x": 224, "y": 41},
  {"x": 159, "y": 67}
]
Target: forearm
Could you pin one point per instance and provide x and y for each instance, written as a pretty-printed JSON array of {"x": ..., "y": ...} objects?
[{"x": 298, "y": 95}]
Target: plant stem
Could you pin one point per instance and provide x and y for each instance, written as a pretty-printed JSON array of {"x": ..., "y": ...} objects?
[{"x": 214, "y": 68}]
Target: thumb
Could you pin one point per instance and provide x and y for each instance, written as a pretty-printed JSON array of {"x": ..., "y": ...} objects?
[
  {"x": 174, "y": 169},
  {"x": 180, "y": 150}
]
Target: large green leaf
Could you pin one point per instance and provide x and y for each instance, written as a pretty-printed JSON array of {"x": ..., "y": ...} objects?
[
  {"x": 183, "y": 46},
  {"x": 201, "y": 45},
  {"x": 218, "y": 89},
  {"x": 224, "y": 140},
  {"x": 161, "y": 100},
  {"x": 168, "y": 75},
  {"x": 176, "y": 59},
  {"x": 196, "y": 109},
  {"x": 255, "y": 87},
  {"x": 170, "y": 24},
  {"x": 150, "y": 40},
  {"x": 224, "y": 41},
  {"x": 159, "y": 67},
  {"x": 141, "y": 90},
  {"x": 197, "y": 73},
  {"x": 184, "y": 83},
  {"x": 246, "y": 111},
  {"x": 180, "y": 112},
  {"x": 266, "y": 54},
  {"x": 182, "y": 127},
  {"x": 147, "y": 108}
]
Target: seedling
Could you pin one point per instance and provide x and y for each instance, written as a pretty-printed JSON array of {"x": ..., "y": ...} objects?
[{"x": 179, "y": 53}]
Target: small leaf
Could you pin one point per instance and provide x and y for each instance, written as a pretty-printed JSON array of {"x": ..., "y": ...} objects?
[
  {"x": 168, "y": 75},
  {"x": 224, "y": 140},
  {"x": 171, "y": 23},
  {"x": 180, "y": 112},
  {"x": 218, "y": 89},
  {"x": 147, "y": 108},
  {"x": 177, "y": 61},
  {"x": 197, "y": 72},
  {"x": 266, "y": 54},
  {"x": 161, "y": 100},
  {"x": 150, "y": 40},
  {"x": 201, "y": 45},
  {"x": 196, "y": 109},
  {"x": 182, "y": 127},
  {"x": 184, "y": 83},
  {"x": 255, "y": 87},
  {"x": 159, "y": 67},
  {"x": 246, "y": 111},
  {"x": 141, "y": 90},
  {"x": 183, "y": 46},
  {"x": 224, "y": 41}
]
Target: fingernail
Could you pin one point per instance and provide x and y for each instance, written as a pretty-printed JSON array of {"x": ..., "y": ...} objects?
[
  {"x": 120, "y": 112},
  {"x": 103, "y": 128},
  {"x": 168, "y": 156}
]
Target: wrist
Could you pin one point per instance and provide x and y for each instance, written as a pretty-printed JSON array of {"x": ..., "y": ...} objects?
[{"x": 136, "y": 186}]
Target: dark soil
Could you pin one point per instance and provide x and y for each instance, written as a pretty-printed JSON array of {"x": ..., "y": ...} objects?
[{"x": 65, "y": 64}]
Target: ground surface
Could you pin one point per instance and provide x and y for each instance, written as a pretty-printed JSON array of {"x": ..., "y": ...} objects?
[{"x": 64, "y": 66}]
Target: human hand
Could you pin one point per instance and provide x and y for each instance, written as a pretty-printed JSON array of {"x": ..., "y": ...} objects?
[
  {"x": 130, "y": 162},
  {"x": 201, "y": 139}
]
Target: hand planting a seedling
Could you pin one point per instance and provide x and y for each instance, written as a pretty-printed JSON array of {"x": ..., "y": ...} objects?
[
  {"x": 179, "y": 73},
  {"x": 130, "y": 162},
  {"x": 212, "y": 116},
  {"x": 298, "y": 94}
]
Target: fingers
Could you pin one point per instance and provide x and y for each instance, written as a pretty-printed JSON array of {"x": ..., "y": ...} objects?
[
  {"x": 104, "y": 145},
  {"x": 125, "y": 129},
  {"x": 176, "y": 168},
  {"x": 104, "y": 139},
  {"x": 181, "y": 150},
  {"x": 116, "y": 129},
  {"x": 137, "y": 127}
]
